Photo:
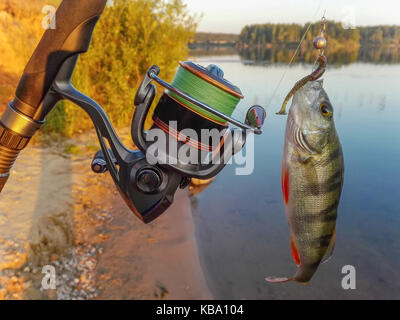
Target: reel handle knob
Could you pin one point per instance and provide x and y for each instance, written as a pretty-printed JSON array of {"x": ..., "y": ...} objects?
[
  {"x": 255, "y": 117},
  {"x": 99, "y": 164}
]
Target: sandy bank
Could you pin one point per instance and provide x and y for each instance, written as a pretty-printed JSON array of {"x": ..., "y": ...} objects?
[{"x": 55, "y": 211}]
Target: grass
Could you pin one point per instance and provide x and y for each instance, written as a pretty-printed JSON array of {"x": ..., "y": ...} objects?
[{"x": 71, "y": 148}]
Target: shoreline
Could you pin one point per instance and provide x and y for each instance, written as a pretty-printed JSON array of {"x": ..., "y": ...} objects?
[
  {"x": 163, "y": 254},
  {"x": 55, "y": 210}
]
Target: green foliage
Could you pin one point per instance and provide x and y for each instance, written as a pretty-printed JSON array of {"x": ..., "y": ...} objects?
[
  {"x": 269, "y": 33},
  {"x": 131, "y": 36},
  {"x": 276, "y": 43},
  {"x": 56, "y": 120},
  {"x": 208, "y": 37},
  {"x": 71, "y": 148},
  {"x": 379, "y": 35}
]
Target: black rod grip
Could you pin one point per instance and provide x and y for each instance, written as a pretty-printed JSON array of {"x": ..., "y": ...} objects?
[{"x": 75, "y": 21}]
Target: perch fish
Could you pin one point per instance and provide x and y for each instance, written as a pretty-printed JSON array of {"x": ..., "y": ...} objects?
[{"x": 312, "y": 179}]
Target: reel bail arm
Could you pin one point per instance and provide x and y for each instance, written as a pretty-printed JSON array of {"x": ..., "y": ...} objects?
[
  {"x": 256, "y": 130},
  {"x": 234, "y": 143}
]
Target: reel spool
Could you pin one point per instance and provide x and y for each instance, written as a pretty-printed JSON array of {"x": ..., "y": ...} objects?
[
  {"x": 203, "y": 84},
  {"x": 187, "y": 117}
]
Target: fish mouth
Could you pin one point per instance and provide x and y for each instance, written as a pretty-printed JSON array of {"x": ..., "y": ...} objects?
[{"x": 297, "y": 137}]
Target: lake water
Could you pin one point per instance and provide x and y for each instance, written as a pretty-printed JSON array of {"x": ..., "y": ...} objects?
[{"x": 240, "y": 222}]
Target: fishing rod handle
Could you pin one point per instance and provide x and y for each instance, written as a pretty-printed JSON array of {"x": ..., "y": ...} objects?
[
  {"x": 8, "y": 155},
  {"x": 12, "y": 141},
  {"x": 74, "y": 24}
]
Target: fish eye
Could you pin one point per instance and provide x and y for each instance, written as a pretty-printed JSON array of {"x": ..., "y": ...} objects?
[{"x": 325, "y": 110}]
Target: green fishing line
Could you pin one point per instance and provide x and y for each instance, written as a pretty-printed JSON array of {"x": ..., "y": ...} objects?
[{"x": 205, "y": 92}]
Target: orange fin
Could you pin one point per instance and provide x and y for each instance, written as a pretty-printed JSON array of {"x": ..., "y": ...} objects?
[
  {"x": 295, "y": 253},
  {"x": 285, "y": 185},
  {"x": 277, "y": 279}
]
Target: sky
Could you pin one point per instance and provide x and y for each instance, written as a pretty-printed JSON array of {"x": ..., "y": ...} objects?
[{"x": 230, "y": 16}]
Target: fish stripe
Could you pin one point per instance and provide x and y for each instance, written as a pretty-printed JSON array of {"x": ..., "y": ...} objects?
[
  {"x": 322, "y": 188},
  {"x": 335, "y": 154},
  {"x": 319, "y": 242},
  {"x": 337, "y": 176},
  {"x": 322, "y": 241},
  {"x": 314, "y": 264},
  {"x": 332, "y": 157},
  {"x": 329, "y": 214},
  {"x": 329, "y": 209}
]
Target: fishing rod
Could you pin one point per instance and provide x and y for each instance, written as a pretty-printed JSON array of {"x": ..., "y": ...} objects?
[{"x": 198, "y": 98}]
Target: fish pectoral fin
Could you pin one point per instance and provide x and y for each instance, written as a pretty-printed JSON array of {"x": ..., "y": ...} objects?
[
  {"x": 295, "y": 253},
  {"x": 304, "y": 159},
  {"x": 278, "y": 279},
  {"x": 331, "y": 248}
]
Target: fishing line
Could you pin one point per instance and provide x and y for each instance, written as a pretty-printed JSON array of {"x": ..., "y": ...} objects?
[
  {"x": 294, "y": 55},
  {"x": 206, "y": 92},
  {"x": 322, "y": 51}
]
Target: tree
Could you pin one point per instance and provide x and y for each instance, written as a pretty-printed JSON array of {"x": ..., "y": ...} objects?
[{"x": 130, "y": 36}]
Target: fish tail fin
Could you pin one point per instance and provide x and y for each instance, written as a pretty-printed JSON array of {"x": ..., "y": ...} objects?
[{"x": 278, "y": 279}]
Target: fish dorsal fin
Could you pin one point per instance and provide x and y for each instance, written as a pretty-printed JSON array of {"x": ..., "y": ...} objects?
[
  {"x": 331, "y": 248},
  {"x": 295, "y": 253}
]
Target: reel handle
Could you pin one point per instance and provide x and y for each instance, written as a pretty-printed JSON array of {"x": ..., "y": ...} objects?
[{"x": 99, "y": 163}]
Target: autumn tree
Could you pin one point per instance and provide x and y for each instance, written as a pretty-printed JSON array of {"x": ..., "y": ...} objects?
[{"x": 130, "y": 36}]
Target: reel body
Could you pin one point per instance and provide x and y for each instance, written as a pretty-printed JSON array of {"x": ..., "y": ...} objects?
[{"x": 148, "y": 188}]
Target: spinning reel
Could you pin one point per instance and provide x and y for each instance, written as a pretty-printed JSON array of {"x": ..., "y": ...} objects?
[{"x": 148, "y": 187}]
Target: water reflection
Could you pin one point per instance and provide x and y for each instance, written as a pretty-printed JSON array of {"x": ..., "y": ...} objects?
[
  {"x": 205, "y": 51},
  {"x": 387, "y": 54},
  {"x": 382, "y": 104},
  {"x": 279, "y": 54},
  {"x": 240, "y": 220},
  {"x": 283, "y": 54}
]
